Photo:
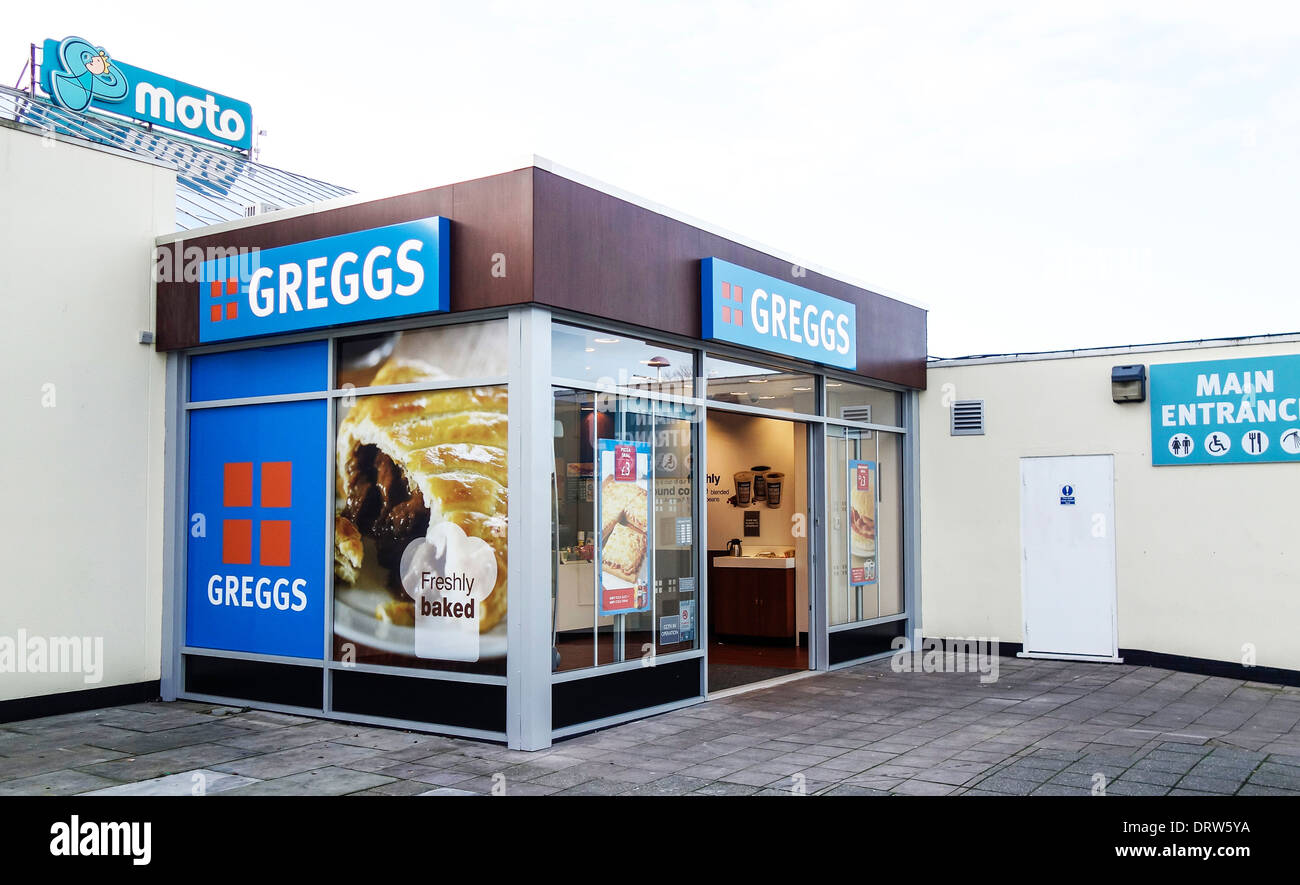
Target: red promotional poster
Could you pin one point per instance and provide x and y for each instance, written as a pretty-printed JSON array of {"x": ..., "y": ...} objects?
[
  {"x": 625, "y": 462},
  {"x": 863, "y": 478}
]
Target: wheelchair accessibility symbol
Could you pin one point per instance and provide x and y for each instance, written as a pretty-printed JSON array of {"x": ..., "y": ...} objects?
[{"x": 1217, "y": 444}]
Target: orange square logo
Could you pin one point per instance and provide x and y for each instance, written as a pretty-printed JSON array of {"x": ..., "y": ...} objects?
[
  {"x": 277, "y": 483},
  {"x": 274, "y": 544},
  {"x": 216, "y": 313},
  {"x": 232, "y": 286},
  {"x": 237, "y": 541},
  {"x": 232, "y": 310},
  {"x": 237, "y": 486}
]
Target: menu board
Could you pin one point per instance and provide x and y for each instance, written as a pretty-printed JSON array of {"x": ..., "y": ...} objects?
[
  {"x": 862, "y": 523},
  {"x": 623, "y": 514}
]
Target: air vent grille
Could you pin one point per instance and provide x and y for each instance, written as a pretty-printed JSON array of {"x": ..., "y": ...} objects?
[
  {"x": 968, "y": 417},
  {"x": 260, "y": 208}
]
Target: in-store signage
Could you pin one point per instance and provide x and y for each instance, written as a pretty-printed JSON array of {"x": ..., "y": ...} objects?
[
  {"x": 670, "y": 629},
  {"x": 375, "y": 274},
  {"x": 745, "y": 307},
  {"x": 79, "y": 75},
  {"x": 862, "y": 523},
  {"x": 1242, "y": 411},
  {"x": 256, "y": 540},
  {"x": 623, "y": 511}
]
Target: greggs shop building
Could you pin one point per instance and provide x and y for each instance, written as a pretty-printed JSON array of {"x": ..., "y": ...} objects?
[{"x": 522, "y": 457}]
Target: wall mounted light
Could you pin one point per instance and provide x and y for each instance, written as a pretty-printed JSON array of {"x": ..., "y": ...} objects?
[{"x": 1128, "y": 384}]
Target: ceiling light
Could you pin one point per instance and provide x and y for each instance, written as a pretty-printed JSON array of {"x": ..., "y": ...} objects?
[
  {"x": 757, "y": 380},
  {"x": 834, "y": 384},
  {"x": 605, "y": 340},
  {"x": 591, "y": 350},
  {"x": 801, "y": 388}
]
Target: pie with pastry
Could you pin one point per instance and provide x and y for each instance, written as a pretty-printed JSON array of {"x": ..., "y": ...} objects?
[
  {"x": 624, "y": 510},
  {"x": 622, "y": 501},
  {"x": 409, "y": 460},
  {"x": 623, "y": 553}
]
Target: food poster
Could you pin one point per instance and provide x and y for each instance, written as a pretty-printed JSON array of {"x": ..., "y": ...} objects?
[
  {"x": 421, "y": 506},
  {"x": 862, "y": 523},
  {"x": 623, "y": 514}
]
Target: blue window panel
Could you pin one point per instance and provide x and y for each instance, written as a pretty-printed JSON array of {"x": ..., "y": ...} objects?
[
  {"x": 260, "y": 371},
  {"x": 256, "y": 534}
]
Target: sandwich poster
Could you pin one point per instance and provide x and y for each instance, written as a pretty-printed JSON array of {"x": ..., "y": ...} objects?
[
  {"x": 862, "y": 523},
  {"x": 623, "y": 514}
]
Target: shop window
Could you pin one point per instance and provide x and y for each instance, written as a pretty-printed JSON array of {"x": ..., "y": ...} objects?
[
  {"x": 437, "y": 354},
  {"x": 625, "y": 582},
  {"x": 260, "y": 371},
  {"x": 889, "y": 522},
  {"x": 608, "y": 359},
  {"x": 858, "y": 402},
  {"x": 420, "y": 526},
  {"x": 255, "y": 545},
  {"x": 864, "y": 524},
  {"x": 735, "y": 383}
]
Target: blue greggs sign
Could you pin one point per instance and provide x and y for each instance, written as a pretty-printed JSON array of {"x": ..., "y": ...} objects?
[
  {"x": 1244, "y": 411},
  {"x": 256, "y": 573},
  {"x": 745, "y": 307},
  {"x": 376, "y": 274},
  {"x": 79, "y": 75}
]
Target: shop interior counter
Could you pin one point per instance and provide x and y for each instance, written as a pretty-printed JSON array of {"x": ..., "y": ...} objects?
[
  {"x": 752, "y": 596},
  {"x": 576, "y": 596},
  {"x": 785, "y": 562}
]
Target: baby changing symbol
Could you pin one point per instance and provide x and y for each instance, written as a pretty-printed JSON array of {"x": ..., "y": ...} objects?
[{"x": 87, "y": 74}]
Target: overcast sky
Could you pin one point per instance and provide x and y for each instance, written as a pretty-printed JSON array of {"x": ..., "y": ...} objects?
[{"x": 1037, "y": 176}]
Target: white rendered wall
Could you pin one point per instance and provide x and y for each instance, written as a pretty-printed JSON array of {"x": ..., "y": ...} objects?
[
  {"x": 1208, "y": 556},
  {"x": 83, "y": 408}
]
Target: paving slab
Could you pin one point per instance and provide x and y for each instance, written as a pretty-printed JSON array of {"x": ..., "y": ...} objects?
[
  {"x": 199, "y": 782},
  {"x": 61, "y": 782},
  {"x": 327, "y": 781},
  {"x": 1044, "y": 728},
  {"x": 285, "y": 763}
]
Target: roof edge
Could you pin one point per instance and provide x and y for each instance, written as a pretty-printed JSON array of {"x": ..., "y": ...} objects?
[
  {"x": 1116, "y": 350},
  {"x": 626, "y": 196}
]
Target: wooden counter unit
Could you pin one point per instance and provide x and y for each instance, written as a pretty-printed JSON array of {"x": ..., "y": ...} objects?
[{"x": 752, "y": 596}]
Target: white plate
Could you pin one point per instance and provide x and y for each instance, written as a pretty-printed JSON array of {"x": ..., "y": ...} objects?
[
  {"x": 614, "y": 582},
  {"x": 865, "y": 550},
  {"x": 355, "y": 621}
]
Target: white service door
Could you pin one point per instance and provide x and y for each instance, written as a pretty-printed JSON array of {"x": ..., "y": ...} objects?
[{"x": 1067, "y": 518}]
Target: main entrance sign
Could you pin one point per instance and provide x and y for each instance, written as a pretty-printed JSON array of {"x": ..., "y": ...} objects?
[
  {"x": 79, "y": 75},
  {"x": 746, "y": 307},
  {"x": 369, "y": 275},
  {"x": 1243, "y": 411}
]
